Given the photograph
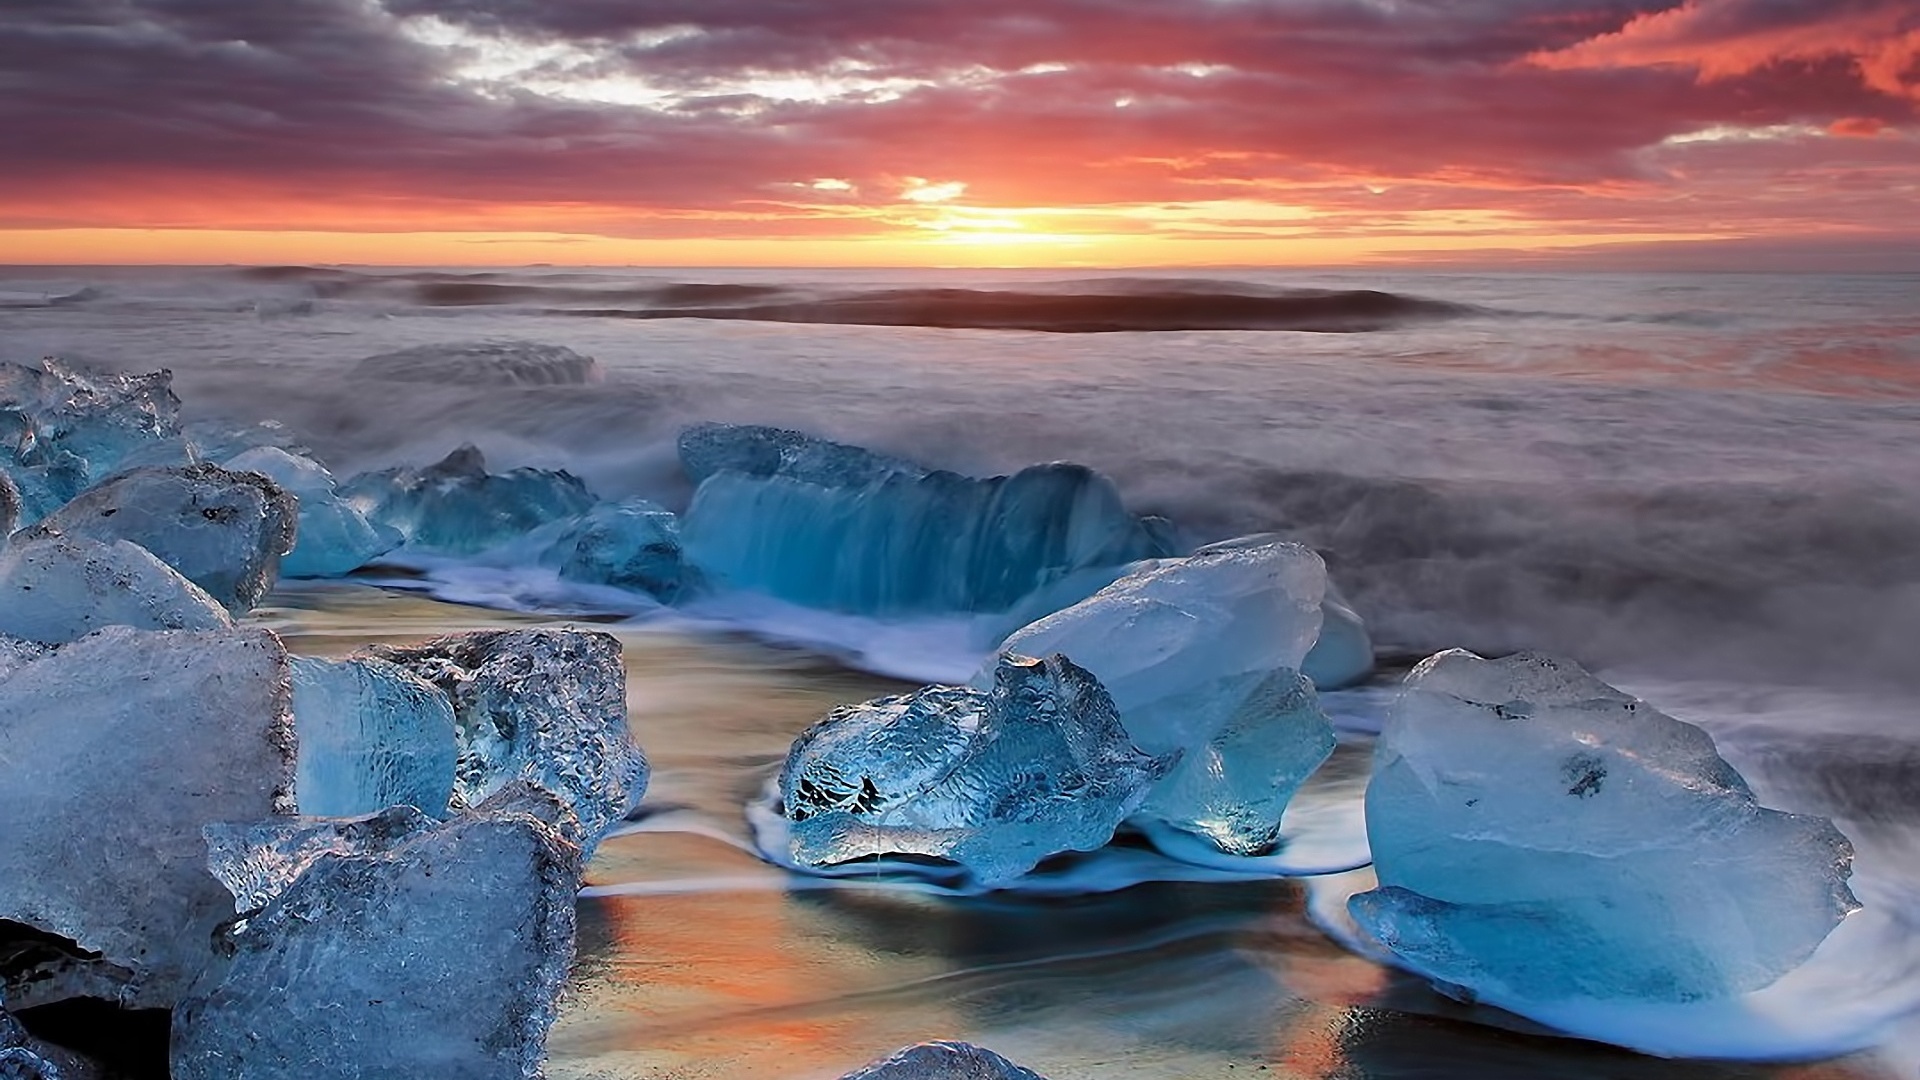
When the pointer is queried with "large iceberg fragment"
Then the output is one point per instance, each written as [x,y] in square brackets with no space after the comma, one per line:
[837,527]
[224,531]
[632,545]
[334,537]
[546,706]
[944,1061]
[440,957]
[994,780]
[56,589]
[120,749]
[457,507]
[372,735]
[1540,836]
[62,429]
[1201,655]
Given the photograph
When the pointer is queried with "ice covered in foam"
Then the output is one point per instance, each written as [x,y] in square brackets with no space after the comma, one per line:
[457,507]
[1539,836]
[995,780]
[633,544]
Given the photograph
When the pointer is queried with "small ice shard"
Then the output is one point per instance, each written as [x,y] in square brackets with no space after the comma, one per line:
[1539,835]
[120,749]
[1343,654]
[334,538]
[256,861]
[440,957]
[754,450]
[837,527]
[994,780]
[224,531]
[547,706]
[631,545]
[372,735]
[456,507]
[1201,655]
[64,429]
[56,589]
[944,1061]
[484,363]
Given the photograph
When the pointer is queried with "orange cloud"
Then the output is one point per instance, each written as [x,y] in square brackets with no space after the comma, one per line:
[1725,38]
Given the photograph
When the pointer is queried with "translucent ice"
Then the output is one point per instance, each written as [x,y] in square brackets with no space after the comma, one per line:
[632,545]
[62,429]
[753,450]
[224,531]
[547,706]
[438,957]
[1201,655]
[944,1061]
[256,861]
[905,542]
[56,589]
[456,507]
[120,749]
[334,538]
[21,1063]
[1343,654]
[1539,835]
[994,780]
[372,735]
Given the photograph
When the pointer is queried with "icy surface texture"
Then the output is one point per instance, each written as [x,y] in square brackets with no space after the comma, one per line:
[484,363]
[944,1061]
[546,706]
[753,450]
[120,749]
[836,530]
[224,531]
[1343,654]
[994,780]
[1201,655]
[62,429]
[632,545]
[456,507]
[1233,788]
[438,958]
[57,589]
[333,538]
[16,653]
[258,860]
[1539,835]
[372,735]
[9,504]
[20,1063]
[222,440]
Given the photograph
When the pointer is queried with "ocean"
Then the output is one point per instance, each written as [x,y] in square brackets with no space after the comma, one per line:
[1705,488]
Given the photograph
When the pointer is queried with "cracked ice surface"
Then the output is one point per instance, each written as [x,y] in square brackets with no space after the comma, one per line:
[121,748]
[548,706]
[994,780]
[372,735]
[57,589]
[224,531]
[1539,835]
[365,963]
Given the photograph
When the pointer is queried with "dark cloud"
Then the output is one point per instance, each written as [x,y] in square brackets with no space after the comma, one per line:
[311,108]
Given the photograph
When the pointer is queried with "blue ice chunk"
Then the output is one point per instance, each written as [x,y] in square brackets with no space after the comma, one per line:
[372,735]
[909,542]
[333,538]
[1201,655]
[754,450]
[944,1061]
[56,589]
[1540,836]
[62,429]
[224,531]
[545,706]
[222,440]
[633,544]
[1343,654]
[994,780]
[456,507]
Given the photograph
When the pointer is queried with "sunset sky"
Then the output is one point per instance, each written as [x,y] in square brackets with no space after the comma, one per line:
[1737,133]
